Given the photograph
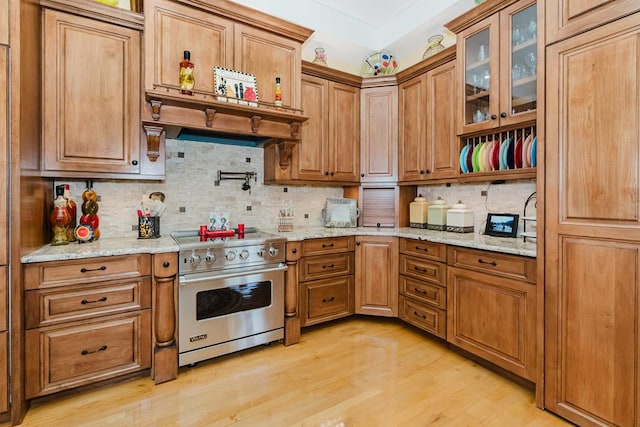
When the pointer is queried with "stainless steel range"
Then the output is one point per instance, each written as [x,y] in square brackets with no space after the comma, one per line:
[231,293]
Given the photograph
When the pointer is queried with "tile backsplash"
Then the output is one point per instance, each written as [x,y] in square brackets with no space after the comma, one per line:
[191,193]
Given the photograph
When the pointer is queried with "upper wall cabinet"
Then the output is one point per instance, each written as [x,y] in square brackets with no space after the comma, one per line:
[91,93]
[228,35]
[565,18]
[497,59]
[428,149]
[379,130]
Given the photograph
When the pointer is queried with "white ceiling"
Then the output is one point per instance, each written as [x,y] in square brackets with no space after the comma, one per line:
[349,30]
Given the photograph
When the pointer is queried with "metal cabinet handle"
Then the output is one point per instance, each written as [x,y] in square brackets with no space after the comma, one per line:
[85,352]
[415,313]
[328,299]
[85,301]
[330,245]
[328,266]
[166,264]
[420,291]
[481,261]
[86,270]
[423,270]
[418,248]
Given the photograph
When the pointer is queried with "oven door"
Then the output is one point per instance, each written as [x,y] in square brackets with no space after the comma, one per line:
[220,308]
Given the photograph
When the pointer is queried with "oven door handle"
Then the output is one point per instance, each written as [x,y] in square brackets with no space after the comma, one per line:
[184,280]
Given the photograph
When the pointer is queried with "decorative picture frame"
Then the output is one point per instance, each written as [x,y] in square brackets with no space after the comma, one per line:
[235,87]
[502,225]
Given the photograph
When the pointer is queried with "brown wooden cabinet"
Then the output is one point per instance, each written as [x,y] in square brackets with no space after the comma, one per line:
[497,71]
[566,18]
[427,146]
[376,289]
[91,97]
[87,320]
[4,210]
[592,368]
[489,312]
[423,281]
[326,280]
[379,130]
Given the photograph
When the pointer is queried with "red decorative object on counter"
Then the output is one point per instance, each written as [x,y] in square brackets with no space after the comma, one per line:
[90,210]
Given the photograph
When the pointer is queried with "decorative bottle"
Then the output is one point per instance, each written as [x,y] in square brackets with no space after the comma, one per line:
[278,97]
[72,207]
[187,81]
[59,219]
[90,210]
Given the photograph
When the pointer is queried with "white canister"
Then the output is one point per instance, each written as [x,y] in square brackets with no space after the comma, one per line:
[437,217]
[418,210]
[460,218]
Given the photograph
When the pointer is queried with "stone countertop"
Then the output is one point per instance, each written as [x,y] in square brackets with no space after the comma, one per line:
[124,246]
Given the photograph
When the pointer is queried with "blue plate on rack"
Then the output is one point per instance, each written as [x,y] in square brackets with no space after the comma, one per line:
[463,158]
[534,152]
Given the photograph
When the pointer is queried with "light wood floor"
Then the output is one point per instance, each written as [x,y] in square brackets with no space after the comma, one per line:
[356,372]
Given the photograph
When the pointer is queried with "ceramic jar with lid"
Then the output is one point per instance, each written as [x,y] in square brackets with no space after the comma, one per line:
[418,211]
[460,218]
[437,215]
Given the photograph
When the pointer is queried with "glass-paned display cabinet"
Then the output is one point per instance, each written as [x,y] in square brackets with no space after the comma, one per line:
[499,69]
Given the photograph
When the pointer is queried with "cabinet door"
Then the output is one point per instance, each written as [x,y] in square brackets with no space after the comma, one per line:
[310,158]
[344,132]
[4,301]
[91,95]
[268,56]
[592,258]
[379,133]
[518,63]
[377,276]
[565,18]
[441,153]
[326,300]
[4,141]
[494,318]
[4,372]
[412,133]
[172,28]
[478,55]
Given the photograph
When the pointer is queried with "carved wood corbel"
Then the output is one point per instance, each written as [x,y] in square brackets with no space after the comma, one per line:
[296,127]
[210,115]
[284,150]
[255,123]
[154,135]
[156,105]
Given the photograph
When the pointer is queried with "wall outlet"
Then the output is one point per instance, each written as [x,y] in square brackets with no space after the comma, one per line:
[182,209]
[483,193]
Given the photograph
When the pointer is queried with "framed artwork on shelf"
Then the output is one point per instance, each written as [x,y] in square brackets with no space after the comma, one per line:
[502,225]
[235,87]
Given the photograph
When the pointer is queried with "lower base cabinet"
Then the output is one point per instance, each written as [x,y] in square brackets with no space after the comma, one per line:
[491,315]
[376,287]
[326,299]
[79,353]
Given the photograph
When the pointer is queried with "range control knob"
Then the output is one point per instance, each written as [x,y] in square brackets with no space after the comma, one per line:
[260,252]
[273,251]
[210,257]
[194,259]
[244,254]
[231,255]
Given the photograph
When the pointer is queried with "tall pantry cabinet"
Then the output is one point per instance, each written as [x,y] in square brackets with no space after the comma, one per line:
[4,173]
[592,213]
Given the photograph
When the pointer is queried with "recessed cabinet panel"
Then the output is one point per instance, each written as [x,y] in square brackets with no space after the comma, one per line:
[379,133]
[344,132]
[91,95]
[442,153]
[4,141]
[175,28]
[593,318]
[412,133]
[4,25]
[4,302]
[598,144]
[311,156]
[377,276]
[4,371]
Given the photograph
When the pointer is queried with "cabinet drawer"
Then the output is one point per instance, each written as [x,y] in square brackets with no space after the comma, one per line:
[48,306]
[427,318]
[422,249]
[424,292]
[324,246]
[326,299]
[322,266]
[512,266]
[49,274]
[71,355]
[429,271]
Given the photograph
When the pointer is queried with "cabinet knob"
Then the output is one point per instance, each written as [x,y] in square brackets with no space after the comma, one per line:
[294,251]
[326,174]
[361,175]
[493,117]
[331,174]
[134,162]
[166,264]
[357,243]
[378,224]
[428,171]
[503,114]
[422,172]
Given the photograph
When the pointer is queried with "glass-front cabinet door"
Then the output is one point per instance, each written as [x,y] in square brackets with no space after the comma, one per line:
[519,58]
[480,52]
